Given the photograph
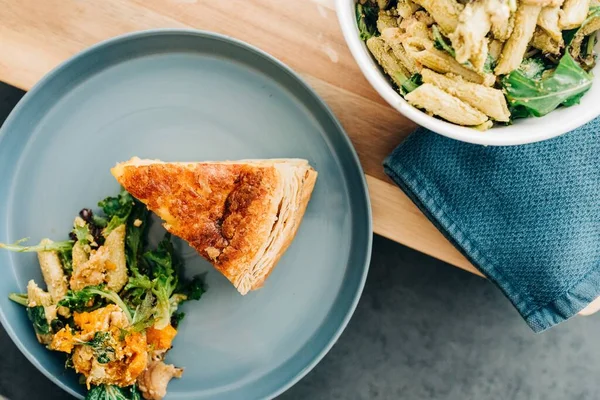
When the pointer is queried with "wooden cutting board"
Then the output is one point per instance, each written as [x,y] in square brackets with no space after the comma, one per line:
[37,35]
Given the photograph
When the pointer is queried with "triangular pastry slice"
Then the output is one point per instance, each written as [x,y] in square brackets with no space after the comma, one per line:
[239,215]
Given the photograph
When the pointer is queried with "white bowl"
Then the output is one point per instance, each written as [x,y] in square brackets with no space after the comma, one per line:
[523,131]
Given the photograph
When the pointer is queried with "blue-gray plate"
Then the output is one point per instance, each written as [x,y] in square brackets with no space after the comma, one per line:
[182,95]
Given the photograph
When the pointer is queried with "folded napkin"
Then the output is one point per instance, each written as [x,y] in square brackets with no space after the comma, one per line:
[528,217]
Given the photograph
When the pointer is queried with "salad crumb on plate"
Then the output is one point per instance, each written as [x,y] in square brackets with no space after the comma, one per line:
[482,63]
[111,303]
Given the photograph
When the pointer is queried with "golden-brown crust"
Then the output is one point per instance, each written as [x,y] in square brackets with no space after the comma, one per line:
[225,211]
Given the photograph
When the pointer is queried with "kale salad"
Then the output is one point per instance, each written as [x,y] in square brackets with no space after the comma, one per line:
[482,63]
[111,304]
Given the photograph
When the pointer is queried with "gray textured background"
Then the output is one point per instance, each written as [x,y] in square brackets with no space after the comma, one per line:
[422,330]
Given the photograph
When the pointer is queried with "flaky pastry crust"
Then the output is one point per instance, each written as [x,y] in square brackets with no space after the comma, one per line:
[239,215]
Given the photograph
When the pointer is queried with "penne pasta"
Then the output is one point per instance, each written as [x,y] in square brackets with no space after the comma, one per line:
[501,30]
[475,21]
[424,17]
[423,51]
[393,39]
[406,8]
[415,28]
[386,20]
[36,296]
[495,48]
[548,21]
[444,12]
[455,58]
[573,13]
[543,3]
[485,126]
[488,100]
[435,101]
[116,272]
[592,26]
[385,57]
[543,41]
[512,54]
[80,256]
[53,273]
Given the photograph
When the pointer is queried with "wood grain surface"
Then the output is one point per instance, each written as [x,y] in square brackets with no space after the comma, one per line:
[37,35]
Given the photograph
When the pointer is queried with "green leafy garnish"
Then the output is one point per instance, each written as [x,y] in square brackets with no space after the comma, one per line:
[66,245]
[19,298]
[439,41]
[85,300]
[117,210]
[144,313]
[192,289]
[407,84]
[101,344]
[533,67]
[539,96]
[37,316]
[66,259]
[109,392]
[81,300]
[119,206]
[163,263]
[137,229]
[158,294]
[366,17]
[83,234]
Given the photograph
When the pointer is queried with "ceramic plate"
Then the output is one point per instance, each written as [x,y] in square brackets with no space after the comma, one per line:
[190,96]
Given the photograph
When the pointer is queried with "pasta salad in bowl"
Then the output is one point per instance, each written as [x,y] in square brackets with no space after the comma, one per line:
[494,72]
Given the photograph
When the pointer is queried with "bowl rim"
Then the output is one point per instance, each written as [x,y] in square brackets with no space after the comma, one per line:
[372,72]
[361,182]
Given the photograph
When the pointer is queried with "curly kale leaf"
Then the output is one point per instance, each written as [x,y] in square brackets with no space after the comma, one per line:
[109,392]
[117,210]
[86,299]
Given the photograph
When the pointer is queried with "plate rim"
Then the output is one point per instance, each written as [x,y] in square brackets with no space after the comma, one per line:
[141,34]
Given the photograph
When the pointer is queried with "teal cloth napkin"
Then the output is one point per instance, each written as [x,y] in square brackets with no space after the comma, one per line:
[528,217]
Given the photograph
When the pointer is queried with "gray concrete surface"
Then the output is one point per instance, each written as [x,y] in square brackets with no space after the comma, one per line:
[422,330]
